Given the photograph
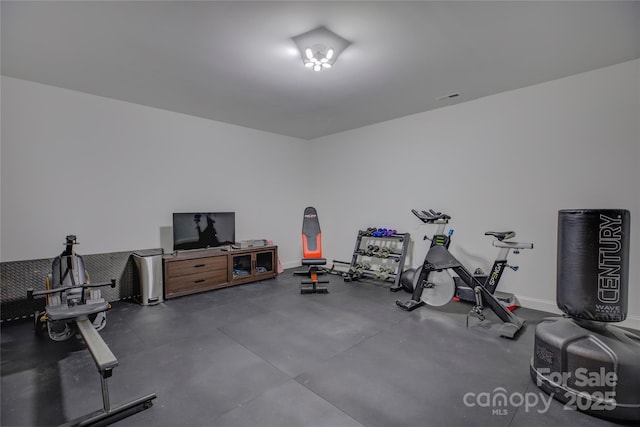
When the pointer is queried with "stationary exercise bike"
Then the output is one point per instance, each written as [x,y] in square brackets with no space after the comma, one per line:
[433,284]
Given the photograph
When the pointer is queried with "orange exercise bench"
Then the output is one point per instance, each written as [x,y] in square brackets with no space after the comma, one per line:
[312,254]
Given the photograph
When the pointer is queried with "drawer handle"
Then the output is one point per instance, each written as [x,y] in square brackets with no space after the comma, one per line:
[198,265]
[198,281]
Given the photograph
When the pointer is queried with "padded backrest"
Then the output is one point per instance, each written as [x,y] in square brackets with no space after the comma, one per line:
[68,270]
[311,235]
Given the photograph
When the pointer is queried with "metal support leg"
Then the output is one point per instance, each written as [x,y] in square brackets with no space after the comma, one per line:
[105,362]
[105,393]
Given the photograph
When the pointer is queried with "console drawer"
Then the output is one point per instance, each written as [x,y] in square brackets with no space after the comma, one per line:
[196,266]
[202,280]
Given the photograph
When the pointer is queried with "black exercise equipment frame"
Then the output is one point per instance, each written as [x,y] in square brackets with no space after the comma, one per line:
[397,258]
[103,357]
[439,258]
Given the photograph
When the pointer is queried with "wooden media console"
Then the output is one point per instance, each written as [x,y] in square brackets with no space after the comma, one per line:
[192,272]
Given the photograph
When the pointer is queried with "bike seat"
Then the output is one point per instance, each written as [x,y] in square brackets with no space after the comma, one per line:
[501,235]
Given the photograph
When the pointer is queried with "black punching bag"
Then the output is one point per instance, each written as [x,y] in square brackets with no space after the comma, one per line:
[593,263]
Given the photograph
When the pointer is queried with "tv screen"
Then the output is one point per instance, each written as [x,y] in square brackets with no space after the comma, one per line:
[201,230]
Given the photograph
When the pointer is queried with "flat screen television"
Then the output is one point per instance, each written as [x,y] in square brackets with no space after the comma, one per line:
[201,230]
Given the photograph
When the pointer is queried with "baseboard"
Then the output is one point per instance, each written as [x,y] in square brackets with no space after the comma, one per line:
[290,264]
[551,307]
[539,304]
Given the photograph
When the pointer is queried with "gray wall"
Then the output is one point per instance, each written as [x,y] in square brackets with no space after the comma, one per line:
[113,172]
[503,162]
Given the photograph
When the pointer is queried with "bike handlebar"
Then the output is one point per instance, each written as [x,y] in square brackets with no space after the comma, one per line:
[431,216]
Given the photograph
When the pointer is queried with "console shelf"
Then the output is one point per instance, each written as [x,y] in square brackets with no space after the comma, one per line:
[200,271]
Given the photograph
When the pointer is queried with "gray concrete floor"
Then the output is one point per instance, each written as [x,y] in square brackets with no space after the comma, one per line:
[263,355]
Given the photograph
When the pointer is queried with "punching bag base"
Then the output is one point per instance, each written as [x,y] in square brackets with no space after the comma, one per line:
[590,366]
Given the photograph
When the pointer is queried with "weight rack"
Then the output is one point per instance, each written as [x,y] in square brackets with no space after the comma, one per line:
[379,258]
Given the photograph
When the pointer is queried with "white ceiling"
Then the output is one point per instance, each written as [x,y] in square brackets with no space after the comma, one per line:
[235,61]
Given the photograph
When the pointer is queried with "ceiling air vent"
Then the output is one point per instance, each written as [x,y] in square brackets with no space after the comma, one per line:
[449,96]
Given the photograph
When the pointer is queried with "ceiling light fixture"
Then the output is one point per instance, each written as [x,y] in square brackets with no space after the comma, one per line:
[319,48]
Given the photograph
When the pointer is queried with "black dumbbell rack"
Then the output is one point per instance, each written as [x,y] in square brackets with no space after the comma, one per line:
[379,258]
